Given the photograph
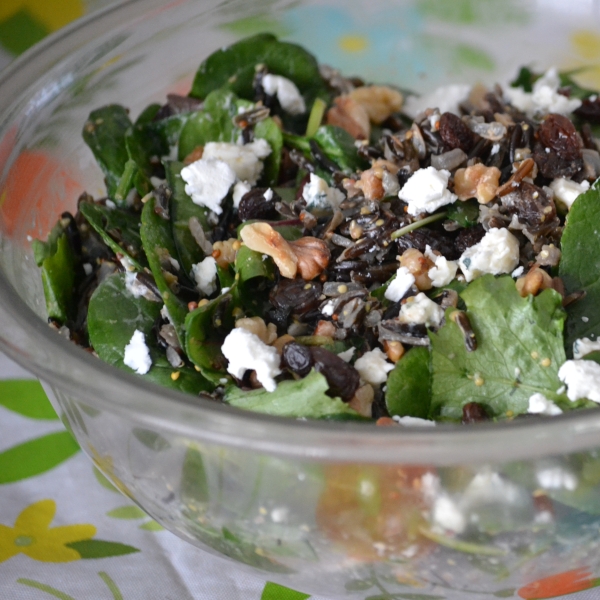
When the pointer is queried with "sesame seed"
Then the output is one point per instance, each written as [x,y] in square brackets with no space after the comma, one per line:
[175,375]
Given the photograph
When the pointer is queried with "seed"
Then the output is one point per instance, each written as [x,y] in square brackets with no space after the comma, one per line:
[379,222]
[236,245]
[365,210]
[203,302]
[546,362]
[479,380]
[535,355]
[175,375]
[342,289]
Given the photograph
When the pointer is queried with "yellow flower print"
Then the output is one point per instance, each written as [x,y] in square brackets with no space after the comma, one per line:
[52,15]
[587,49]
[105,464]
[33,536]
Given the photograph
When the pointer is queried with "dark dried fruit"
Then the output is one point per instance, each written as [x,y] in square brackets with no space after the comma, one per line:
[296,295]
[558,133]
[342,378]
[474,412]
[589,110]
[468,237]
[421,238]
[534,208]
[297,358]
[254,205]
[455,133]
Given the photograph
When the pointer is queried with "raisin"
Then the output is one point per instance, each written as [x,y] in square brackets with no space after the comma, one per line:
[534,208]
[297,358]
[474,412]
[558,133]
[296,295]
[254,205]
[468,237]
[342,378]
[589,110]
[421,238]
[455,133]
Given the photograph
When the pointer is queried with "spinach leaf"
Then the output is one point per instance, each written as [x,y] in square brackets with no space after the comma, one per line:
[145,142]
[158,243]
[338,145]
[580,267]
[464,213]
[58,280]
[303,398]
[182,210]
[104,132]
[250,264]
[519,351]
[409,385]
[234,68]
[525,79]
[253,274]
[123,225]
[42,250]
[269,131]
[113,316]
[206,328]
[214,123]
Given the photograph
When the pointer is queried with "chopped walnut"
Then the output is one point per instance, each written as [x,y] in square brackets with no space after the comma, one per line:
[194,155]
[255,325]
[536,281]
[549,256]
[224,252]
[379,101]
[371,184]
[312,255]
[263,238]
[351,116]
[381,164]
[325,328]
[477,181]
[419,265]
[362,401]
[393,349]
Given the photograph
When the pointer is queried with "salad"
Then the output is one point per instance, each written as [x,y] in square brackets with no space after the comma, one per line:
[291,241]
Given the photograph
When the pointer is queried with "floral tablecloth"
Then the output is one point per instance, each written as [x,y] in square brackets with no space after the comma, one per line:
[65,531]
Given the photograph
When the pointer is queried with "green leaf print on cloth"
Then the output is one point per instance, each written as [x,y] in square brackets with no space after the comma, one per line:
[274,591]
[38,585]
[26,397]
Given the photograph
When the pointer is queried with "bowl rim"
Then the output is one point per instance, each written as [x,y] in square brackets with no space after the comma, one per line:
[30,342]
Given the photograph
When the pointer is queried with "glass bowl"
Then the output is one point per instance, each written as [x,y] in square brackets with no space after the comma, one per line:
[330,508]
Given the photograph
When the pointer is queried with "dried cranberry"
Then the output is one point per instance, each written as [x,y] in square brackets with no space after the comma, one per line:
[558,133]
[455,133]
[342,378]
[297,358]
[254,205]
[474,412]
[296,295]
[468,237]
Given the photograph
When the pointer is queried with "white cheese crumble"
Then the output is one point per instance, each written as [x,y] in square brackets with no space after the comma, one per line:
[582,378]
[556,478]
[137,353]
[268,195]
[496,253]
[413,421]
[446,98]
[135,287]
[347,355]
[444,270]
[518,272]
[427,190]
[207,182]
[400,285]
[373,367]
[447,515]
[205,275]
[584,346]
[540,405]
[319,196]
[244,160]
[328,309]
[566,191]
[240,189]
[420,310]
[287,93]
[544,97]
[245,351]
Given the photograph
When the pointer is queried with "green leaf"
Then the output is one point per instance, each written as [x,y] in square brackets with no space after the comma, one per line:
[104,133]
[182,209]
[36,456]
[126,512]
[26,397]
[464,213]
[124,225]
[274,591]
[144,141]
[114,315]
[151,526]
[303,398]
[409,385]
[250,264]
[58,281]
[524,79]
[461,545]
[338,145]
[580,267]
[43,250]
[111,585]
[152,440]
[104,482]
[100,548]
[269,131]
[359,585]
[519,351]
[194,483]
[44,588]
[507,593]
[158,242]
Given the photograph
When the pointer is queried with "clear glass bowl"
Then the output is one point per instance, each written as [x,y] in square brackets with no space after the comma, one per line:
[329,508]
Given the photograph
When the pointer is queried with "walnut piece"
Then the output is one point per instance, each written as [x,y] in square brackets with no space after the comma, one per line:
[371,184]
[312,256]
[477,181]
[256,325]
[419,265]
[536,281]
[351,116]
[362,401]
[379,101]
[224,252]
[261,237]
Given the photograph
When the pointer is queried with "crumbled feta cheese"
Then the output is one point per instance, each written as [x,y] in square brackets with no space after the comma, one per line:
[136,288]
[268,195]
[126,262]
[240,189]
[400,285]
[287,93]
[540,405]
[319,196]
[420,310]
[245,351]
[427,190]
[518,272]
[444,270]
[87,268]
[205,275]
[373,367]
[544,97]
[447,515]
[566,191]
[446,98]
[347,355]
[496,253]
[556,478]
[137,353]
[110,204]
[582,378]
[413,421]
[244,160]
[328,309]
[495,149]
[585,346]
[207,182]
